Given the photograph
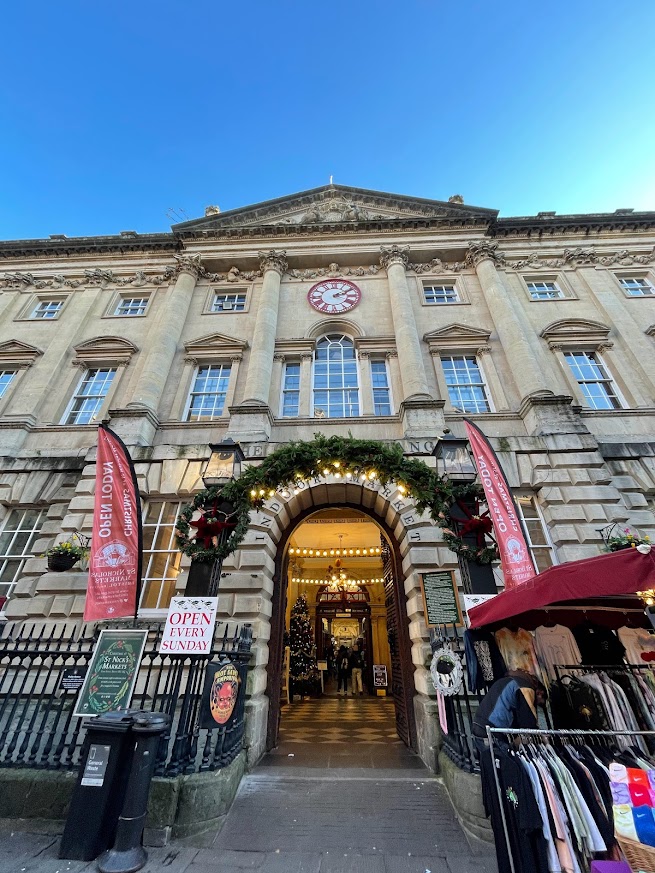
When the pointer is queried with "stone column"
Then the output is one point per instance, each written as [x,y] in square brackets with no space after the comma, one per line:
[163,340]
[235,361]
[408,344]
[260,365]
[275,389]
[304,406]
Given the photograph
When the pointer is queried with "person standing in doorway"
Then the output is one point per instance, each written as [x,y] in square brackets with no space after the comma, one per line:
[356,663]
[342,670]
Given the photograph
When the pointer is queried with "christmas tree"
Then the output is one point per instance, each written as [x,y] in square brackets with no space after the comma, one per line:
[302,666]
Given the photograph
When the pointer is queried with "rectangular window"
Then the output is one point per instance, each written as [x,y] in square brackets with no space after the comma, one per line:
[6,377]
[594,380]
[228,302]
[131,306]
[291,390]
[381,391]
[45,309]
[466,387]
[539,540]
[161,558]
[209,391]
[89,397]
[544,290]
[435,294]
[21,528]
[637,287]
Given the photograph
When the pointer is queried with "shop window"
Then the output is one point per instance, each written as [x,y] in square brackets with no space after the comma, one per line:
[161,557]
[21,528]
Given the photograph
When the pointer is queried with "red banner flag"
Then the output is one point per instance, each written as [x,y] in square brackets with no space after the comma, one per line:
[116,545]
[515,556]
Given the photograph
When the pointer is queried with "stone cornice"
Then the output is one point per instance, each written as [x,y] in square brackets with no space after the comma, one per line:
[88,245]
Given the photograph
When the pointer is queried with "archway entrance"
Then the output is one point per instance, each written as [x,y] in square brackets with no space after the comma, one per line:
[344,563]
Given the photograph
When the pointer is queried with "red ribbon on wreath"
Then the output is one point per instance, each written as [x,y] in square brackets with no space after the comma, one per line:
[207,530]
[476,523]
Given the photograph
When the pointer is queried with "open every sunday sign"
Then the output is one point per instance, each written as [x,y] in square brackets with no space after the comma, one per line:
[189,626]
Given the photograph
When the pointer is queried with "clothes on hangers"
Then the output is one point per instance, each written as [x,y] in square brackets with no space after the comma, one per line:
[555,645]
[484,663]
[598,644]
[517,649]
[638,642]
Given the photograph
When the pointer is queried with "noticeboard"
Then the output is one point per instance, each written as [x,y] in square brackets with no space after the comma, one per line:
[112,672]
[440,600]
[380,676]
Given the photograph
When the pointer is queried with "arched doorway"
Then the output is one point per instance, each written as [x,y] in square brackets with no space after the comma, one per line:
[386,641]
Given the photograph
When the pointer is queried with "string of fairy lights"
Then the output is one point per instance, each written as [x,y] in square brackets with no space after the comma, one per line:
[338,470]
[335,553]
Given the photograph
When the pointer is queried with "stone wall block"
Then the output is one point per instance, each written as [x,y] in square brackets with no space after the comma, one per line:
[568,512]
[73,521]
[225,606]
[86,486]
[415,606]
[588,533]
[18,487]
[192,481]
[172,474]
[251,605]
[259,653]
[153,479]
[267,523]
[72,581]
[62,606]
[247,582]
[552,496]
[561,533]
[257,560]
[78,606]
[591,494]
[635,500]
[418,630]
[25,586]
[39,606]
[35,566]
[577,552]
[576,459]
[595,512]
[57,510]
[580,476]
[601,477]
[82,502]
[257,681]
[525,471]
[642,518]
[423,682]
[540,478]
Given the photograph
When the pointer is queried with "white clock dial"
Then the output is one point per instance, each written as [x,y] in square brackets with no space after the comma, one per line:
[333,296]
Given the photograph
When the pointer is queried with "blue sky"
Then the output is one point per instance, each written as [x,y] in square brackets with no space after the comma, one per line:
[114,112]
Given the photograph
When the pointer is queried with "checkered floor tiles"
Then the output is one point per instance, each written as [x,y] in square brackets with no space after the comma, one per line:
[349,720]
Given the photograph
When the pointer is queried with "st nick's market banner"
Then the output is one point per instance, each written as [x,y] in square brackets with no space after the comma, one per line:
[116,545]
[515,557]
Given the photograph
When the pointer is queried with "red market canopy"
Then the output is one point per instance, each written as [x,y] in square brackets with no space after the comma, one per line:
[618,573]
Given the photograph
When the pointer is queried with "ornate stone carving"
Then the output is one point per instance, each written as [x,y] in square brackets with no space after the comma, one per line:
[394,255]
[484,350]
[333,270]
[392,353]
[273,261]
[456,198]
[189,264]
[278,356]
[481,250]
[582,257]
[93,277]
[234,274]
[604,347]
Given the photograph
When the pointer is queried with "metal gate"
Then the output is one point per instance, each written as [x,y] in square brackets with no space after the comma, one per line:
[396,639]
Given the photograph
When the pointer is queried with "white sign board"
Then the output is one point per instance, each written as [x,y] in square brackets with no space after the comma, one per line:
[189,626]
[471,600]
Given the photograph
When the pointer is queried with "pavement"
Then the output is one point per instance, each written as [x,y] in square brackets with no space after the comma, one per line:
[350,800]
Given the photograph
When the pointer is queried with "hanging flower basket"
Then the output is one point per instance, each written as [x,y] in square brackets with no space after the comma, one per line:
[60,563]
[66,554]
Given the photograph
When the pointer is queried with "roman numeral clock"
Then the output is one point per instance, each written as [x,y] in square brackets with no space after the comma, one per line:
[334,296]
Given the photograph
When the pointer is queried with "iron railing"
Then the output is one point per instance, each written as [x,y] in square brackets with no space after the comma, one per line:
[37,725]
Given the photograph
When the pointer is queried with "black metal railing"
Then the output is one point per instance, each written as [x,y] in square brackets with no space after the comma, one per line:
[37,725]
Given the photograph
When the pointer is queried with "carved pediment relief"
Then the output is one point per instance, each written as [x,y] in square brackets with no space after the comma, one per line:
[576,330]
[17,354]
[457,336]
[335,204]
[104,350]
[215,346]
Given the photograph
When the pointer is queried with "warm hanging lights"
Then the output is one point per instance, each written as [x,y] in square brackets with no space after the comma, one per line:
[335,553]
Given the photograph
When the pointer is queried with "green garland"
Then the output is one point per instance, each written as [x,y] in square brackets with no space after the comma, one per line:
[290,467]
[455,543]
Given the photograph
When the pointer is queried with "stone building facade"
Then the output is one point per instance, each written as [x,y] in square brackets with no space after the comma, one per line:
[541,329]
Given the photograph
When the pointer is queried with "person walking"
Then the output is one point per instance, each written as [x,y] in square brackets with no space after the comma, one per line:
[342,670]
[356,664]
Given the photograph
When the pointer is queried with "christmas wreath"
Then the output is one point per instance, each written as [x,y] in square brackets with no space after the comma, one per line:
[468,498]
[217,517]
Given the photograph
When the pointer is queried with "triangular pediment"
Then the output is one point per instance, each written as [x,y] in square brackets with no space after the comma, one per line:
[455,332]
[17,353]
[335,204]
[214,346]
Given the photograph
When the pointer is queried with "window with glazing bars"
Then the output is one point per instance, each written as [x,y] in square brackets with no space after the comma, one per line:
[637,287]
[381,390]
[209,391]
[435,294]
[544,290]
[290,390]
[594,380]
[539,541]
[228,302]
[466,386]
[161,557]
[336,386]
[6,377]
[89,397]
[21,528]
[47,309]
[131,306]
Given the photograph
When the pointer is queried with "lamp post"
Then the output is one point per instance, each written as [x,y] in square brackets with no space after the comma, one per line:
[455,462]
[223,466]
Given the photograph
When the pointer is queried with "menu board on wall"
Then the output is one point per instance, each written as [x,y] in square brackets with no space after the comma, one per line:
[440,600]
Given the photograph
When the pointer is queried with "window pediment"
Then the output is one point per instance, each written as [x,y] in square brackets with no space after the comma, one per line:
[456,336]
[578,332]
[15,353]
[375,345]
[334,325]
[215,347]
[294,349]
[104,351]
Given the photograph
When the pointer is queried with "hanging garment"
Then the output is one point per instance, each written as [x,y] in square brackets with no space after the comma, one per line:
[637,641]
[554,864]
[555,645]
[523,819]
[581,706]
[598,644]
[517,649]
[484,663]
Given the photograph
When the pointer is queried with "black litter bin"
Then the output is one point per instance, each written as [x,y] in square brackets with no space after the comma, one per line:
[100,790]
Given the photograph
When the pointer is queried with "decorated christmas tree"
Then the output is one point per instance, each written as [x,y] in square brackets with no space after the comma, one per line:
[302,666]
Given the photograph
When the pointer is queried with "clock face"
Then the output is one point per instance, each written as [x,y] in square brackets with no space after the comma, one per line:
[333,296]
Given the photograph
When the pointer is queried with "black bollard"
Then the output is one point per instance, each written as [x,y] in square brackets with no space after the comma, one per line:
[128,855]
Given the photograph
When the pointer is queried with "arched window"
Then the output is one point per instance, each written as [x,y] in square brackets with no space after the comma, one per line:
[336,388]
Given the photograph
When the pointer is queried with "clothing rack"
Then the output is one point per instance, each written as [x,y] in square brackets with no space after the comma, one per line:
[536,733]
[600,668]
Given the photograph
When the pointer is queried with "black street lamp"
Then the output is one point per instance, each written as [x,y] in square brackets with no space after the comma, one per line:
[454,458]
[222,467]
